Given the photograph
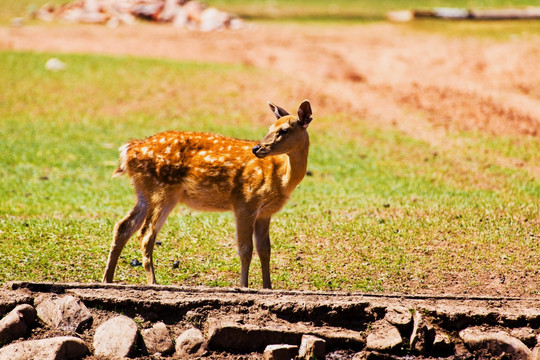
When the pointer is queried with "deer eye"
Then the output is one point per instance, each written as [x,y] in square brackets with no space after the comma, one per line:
[282,132]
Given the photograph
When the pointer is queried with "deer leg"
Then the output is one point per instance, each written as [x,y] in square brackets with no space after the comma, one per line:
[262,243]
[244,240]
[122,232]
[155,219]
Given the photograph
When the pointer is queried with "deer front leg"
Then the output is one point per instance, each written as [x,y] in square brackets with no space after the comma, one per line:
[244,241]
[262,243]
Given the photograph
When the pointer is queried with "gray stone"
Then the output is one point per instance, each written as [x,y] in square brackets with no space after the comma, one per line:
[116,337]
[526,335]
[373,355]
[443,346]
[17,323]
[384,337]
[158,340]
[494,342]
[65,313]
[422,336]
[280,352]
[312,347]
[191,343]
[245,338]
[535,355]
[57,348]
[401,318]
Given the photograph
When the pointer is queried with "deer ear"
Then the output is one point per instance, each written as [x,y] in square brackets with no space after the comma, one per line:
[304,113]
[278,111]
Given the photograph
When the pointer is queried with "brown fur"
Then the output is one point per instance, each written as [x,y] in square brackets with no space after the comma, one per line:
[215,173]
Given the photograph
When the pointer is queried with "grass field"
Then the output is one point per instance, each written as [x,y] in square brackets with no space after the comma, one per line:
[382,212]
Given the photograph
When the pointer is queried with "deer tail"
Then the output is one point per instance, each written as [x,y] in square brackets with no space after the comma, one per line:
[122,167]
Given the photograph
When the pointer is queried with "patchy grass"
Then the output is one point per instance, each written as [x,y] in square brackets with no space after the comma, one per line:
[382,212]
[343,9]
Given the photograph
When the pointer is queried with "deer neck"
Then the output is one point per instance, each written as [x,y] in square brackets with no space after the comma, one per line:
[295,167]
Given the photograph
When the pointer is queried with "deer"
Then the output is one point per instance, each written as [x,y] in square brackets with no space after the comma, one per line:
[212,172]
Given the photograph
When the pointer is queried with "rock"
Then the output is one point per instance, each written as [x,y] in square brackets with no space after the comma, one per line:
[400,16]
[158,340]
[190,344]
[116,337]
[422,336]
[280,352]
[17,323]
[373,355]
[57,348]
[54,64]
[247,338]
[66,313]
[312,347]
[213,19]
[442,345]
[536,353]
[401,318]
[526,335]
[385,337]
[494,342]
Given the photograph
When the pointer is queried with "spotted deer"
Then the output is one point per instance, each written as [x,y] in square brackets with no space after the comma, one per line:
[215,173]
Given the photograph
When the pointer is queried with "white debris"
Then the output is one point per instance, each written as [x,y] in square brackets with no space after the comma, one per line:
[400,15]
[54,64]
[180,13]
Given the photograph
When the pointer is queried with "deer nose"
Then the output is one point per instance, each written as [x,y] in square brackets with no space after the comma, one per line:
[255,149]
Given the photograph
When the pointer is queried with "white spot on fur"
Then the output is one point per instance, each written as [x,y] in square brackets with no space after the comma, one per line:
[167,149]
[162,140]
[209,159]
[144,150]
[202,153]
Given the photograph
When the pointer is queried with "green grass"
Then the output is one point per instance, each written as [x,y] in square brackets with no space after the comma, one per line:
[339,9]
[382,211]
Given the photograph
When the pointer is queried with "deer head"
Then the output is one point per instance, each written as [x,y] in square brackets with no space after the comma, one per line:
[288,134]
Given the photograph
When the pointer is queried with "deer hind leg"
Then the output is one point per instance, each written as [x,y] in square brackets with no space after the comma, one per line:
[155,219]
[122,232]
[262,243]
[244,240]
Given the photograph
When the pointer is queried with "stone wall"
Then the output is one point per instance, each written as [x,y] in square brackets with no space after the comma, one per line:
[96,321]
